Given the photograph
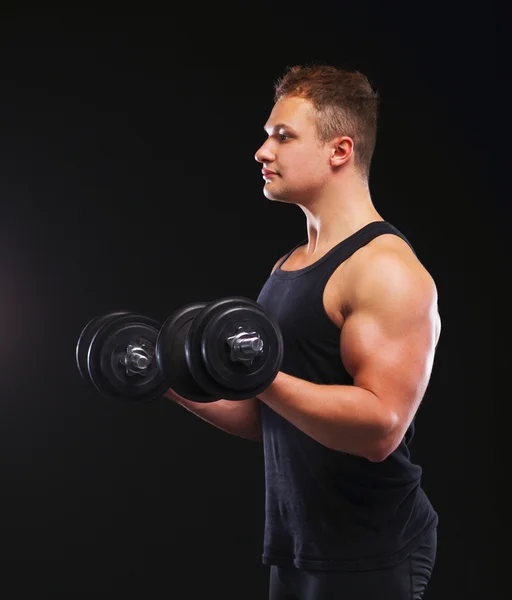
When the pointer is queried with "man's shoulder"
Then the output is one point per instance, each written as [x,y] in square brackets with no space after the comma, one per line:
[388,250]
[387,262]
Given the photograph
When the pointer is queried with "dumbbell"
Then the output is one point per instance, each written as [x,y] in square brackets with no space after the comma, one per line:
[116,353]
[229,348]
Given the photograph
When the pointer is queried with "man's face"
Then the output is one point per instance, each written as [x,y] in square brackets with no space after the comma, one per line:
[295,163]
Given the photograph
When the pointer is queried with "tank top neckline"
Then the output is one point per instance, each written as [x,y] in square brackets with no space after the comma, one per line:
[345,242]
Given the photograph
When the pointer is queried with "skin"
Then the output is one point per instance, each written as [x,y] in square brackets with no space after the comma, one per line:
[382,298]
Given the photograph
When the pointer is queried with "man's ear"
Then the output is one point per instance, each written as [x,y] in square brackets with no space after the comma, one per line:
[341,150]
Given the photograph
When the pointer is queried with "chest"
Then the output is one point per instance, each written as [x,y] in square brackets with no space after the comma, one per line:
[305,309]
[333,297]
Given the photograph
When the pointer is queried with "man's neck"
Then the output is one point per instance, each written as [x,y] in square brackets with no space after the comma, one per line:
[337,215]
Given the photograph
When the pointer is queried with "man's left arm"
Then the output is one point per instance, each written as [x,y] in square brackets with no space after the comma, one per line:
[387,345]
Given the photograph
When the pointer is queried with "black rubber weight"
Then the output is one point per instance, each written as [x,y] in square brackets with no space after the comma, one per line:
[85,339]
[246,379]
[233,386]
[109,345]
[170,354]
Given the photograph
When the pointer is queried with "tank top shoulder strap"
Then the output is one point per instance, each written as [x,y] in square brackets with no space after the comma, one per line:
[373,230]
[360,238]
[357,240]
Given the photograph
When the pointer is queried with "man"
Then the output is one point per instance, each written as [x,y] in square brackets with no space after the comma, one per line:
[346,516]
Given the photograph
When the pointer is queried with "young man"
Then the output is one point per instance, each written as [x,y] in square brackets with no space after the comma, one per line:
[346,516]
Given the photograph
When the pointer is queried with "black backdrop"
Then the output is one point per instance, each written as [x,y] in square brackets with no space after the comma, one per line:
[127,180]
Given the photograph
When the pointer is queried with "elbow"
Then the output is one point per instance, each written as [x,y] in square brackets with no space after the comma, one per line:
[387,441]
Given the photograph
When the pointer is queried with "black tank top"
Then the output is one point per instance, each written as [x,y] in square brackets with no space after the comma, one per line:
[325,509]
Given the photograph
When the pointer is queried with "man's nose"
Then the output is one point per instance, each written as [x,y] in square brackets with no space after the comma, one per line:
[264,154]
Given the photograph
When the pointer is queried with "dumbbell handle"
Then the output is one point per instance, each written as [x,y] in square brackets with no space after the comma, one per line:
[245,347]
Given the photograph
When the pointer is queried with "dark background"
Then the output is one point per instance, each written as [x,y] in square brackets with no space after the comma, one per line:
[127,180]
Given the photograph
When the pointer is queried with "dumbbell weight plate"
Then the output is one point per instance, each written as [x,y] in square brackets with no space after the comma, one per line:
[85,339]
[244,379]
[108,347]
[170,354]
[208,353]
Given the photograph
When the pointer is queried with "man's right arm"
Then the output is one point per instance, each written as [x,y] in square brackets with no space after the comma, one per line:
[237,417]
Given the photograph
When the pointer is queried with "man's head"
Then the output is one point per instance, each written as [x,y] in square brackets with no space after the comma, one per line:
[323,119]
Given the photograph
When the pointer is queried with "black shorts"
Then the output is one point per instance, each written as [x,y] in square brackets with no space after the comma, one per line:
[405,581]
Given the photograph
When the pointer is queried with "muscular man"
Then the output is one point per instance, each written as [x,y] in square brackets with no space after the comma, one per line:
[346,515]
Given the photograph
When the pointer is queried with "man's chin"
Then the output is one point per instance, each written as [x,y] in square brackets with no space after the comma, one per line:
[273,195]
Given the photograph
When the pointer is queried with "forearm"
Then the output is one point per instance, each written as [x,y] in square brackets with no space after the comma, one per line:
[344,418]
[240,418]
